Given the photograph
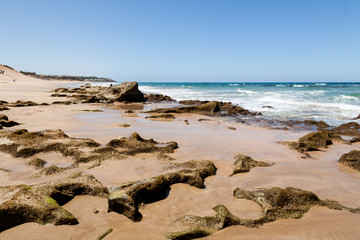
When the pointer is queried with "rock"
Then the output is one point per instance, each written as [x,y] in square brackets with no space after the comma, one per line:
[3,108]
[21,103]
[351,159]
[4,122]
[204,119]
[315,141]
[245,163]
[358,117]
[161,116]
[232,128]
[127,91]
[41,203]
[203,226]
[135,144]
[64,102]
[186,122]
[267,107]
[276,203]
[37,163]
[213,108]
[126,198]
[158,98]
[348,129]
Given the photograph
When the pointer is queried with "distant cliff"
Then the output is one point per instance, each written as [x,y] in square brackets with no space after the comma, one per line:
[67,78]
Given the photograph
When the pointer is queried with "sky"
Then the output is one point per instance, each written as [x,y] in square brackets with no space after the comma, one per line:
[184,40]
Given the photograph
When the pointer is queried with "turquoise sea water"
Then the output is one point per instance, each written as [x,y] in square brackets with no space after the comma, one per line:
[334,103]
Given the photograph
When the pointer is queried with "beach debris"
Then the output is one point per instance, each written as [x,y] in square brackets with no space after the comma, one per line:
[351,159]
[186,122]
[348,129]
[245,163]
[358,117]
[42,203]
[126,198]
[161,116]
[276,203]
[129,111]
[124,125]
[102,236]
[231,128]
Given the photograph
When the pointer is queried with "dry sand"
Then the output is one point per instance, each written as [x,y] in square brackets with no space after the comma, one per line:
[210,140]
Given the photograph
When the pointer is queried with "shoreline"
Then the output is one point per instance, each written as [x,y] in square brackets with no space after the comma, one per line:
[200,140]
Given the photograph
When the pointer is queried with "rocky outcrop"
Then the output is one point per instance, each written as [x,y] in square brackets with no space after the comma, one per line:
[126,198]
[42,203]
[245,163]
[213,108]
[351,159]
[348,129]
[125,92]
[276,203]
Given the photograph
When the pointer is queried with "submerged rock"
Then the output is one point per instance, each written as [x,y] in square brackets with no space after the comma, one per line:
[351,159]
[42,203]
[245,163]
[126,198]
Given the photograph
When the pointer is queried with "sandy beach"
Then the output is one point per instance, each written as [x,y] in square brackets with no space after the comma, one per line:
[210,140]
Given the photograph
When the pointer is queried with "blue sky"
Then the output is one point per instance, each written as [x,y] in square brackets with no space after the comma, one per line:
[183,40]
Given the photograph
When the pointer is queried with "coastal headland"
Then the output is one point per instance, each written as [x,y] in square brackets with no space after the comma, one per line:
[95,162]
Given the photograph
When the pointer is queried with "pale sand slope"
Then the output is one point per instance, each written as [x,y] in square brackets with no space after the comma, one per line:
[197,141]
[24,87]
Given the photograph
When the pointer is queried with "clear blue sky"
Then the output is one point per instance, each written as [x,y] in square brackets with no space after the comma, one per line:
[184,40]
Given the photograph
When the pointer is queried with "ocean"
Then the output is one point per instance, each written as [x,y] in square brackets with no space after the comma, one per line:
[334,103]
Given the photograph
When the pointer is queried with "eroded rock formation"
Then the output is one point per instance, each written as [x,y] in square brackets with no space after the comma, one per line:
[126,198]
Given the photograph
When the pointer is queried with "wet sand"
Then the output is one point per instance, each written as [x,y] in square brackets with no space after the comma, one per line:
[206,140]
